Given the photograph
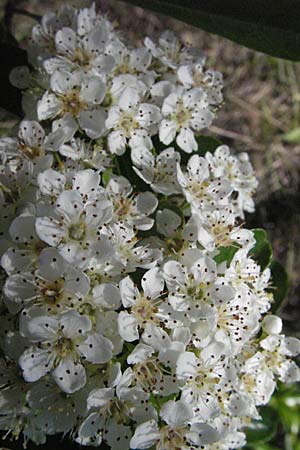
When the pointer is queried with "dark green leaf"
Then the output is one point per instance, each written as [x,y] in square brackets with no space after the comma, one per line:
[262,251]
[263,430]
[269,26]
[207,144]
[280,284]
[226,254]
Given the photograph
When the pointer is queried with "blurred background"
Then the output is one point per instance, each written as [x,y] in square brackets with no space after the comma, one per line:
[261,116]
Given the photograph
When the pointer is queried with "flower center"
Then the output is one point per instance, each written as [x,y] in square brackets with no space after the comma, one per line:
[52,292]
[172,438]
[31,152]
[199,189]
[82,58]
[72,102]
[77,231]
[183,115]
[63,347]
[144,310]
[128,123]
[122,207]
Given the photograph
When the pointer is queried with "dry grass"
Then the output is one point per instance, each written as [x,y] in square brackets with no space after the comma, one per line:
[262,105]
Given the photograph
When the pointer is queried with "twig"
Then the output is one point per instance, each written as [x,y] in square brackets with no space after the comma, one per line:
[23,12]
[237,136]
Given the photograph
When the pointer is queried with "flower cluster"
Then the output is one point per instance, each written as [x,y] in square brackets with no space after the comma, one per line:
[122,321]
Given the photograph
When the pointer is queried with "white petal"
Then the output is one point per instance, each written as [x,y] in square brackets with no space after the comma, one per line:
[116,142]
[145,435]
[93,122]
[86,180]
[118,436]
[100,397]
[186,365]
[202,434]
[70,205]
[63,130]
[93,91]
[167,222]
[129,292]
[88,433]
[104,64]
[140,353]
[63,81]
[20,288]
[153,283]
[35,363]
[49,231]
[51,182]
[186,140]
[70,377]
[128,326]
[176,414]
[107,296]
[167,131]
[51,265]
[37,327]
[74,324]
[31,133]
[22,229]
[146,203]
[129,99]
[65,41]
[96,349]
[49,106]
[272,324]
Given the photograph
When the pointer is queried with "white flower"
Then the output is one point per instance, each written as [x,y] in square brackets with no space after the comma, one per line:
[184,112]
[129,254]
[131,208]
[200,188]
[64,342]
[130,120]
[23,254]
[240,173]
[176,432]
[55,412]
[73,224]
[203,379]
[170,51]
[194,75]
[159,171]
[77,53]
[78,96]
[55,286]
[141,308]
[194,289]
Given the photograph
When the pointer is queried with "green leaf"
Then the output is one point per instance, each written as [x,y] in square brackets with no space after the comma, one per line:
[269,26]
[262,251]
[226,254]
[106,176]
[262,431]
[280,284]
[293,136]
[207,144]
[158,401]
